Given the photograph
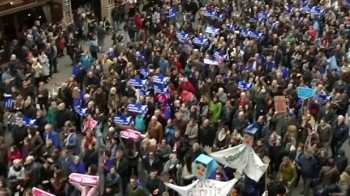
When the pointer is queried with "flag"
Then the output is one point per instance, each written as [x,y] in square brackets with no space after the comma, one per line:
[158,79]
[317,11]
[332,61]
[182,37]
[138,82]
[123,120]
[245,86]
[171,13]
[210,62]
[167,112]
[219,56]
[323,98]
[138,108]
[9,101]
[200,41]
[77,102]
[160,89]
[285,73]
[29,122]
[212,30]
[208,13]
[81,111]
[144,93]
[144,72]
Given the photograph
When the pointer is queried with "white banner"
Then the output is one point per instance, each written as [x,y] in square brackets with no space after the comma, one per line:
[204,188]
[242,158]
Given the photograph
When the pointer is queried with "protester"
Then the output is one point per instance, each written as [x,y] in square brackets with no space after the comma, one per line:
[182,76]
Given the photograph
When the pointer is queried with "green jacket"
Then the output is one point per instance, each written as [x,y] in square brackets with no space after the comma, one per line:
[51,116]
[137,192]
[215,109]
[288,173]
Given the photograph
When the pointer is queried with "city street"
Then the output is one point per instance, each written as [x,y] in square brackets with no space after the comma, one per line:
[65,72]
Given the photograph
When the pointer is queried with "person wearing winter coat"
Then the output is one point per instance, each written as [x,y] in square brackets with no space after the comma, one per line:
[44,62]
[192,132]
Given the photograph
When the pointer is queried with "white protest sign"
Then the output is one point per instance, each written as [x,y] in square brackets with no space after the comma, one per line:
[242,158]
[204,188]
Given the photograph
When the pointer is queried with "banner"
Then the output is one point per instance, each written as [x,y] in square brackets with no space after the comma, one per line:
[171,13]
[39,192]
[138,82]
[9,101]
[204,188]
[182,37]
[144,72]
[81,111]
[123,120]
[132,134]
[157,79]
[84,180]
[138,108]
[242,158]
[200,41]
[244,86]
[29,122]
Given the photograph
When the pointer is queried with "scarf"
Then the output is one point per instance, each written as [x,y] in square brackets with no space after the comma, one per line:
[221,136]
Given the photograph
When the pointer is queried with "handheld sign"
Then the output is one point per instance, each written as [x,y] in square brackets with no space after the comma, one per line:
[132,134]
[306,93]
[39,192]
[84,180]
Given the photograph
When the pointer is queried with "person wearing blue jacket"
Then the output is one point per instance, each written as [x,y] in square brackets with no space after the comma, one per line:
[86,61]
[76,166]
[140,124]
[170,130]
[307,166]
[52,135]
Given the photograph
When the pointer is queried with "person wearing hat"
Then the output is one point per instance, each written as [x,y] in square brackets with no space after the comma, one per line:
[288,173]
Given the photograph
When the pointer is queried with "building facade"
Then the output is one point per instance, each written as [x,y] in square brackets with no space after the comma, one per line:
[106,9]
[17,15]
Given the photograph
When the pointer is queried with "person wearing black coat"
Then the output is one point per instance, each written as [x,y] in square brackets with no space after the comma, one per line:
[90,156]
[19,132]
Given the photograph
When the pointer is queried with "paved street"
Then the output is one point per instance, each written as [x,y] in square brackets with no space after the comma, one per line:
[65,72]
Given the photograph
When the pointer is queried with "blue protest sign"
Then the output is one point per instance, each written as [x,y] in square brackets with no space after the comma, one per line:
[305,93]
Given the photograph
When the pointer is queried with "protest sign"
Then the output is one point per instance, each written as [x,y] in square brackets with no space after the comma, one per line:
[132,134]
[242,158]
[305,93]
[280,104]
[84,180]
[39,192]
[204,188]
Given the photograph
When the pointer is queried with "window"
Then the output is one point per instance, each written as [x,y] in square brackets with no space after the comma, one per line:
[67,8]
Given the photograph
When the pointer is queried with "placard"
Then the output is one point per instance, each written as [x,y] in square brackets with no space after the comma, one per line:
[204,188]
[39,192]
[280,104]
[84,180]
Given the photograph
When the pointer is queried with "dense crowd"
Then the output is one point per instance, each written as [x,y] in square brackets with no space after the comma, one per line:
[185,75]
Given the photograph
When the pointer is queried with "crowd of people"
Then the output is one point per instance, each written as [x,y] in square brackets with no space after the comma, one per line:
[183,76]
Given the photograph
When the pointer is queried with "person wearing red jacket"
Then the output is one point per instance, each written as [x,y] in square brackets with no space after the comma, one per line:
[14,154]
[185,84]
[138,21]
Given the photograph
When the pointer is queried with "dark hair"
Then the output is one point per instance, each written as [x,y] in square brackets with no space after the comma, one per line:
[133,177]
[108,153]
[93,169]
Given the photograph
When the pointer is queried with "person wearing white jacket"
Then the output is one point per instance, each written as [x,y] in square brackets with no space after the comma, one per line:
[44,62]
[15,175]
[36,71]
